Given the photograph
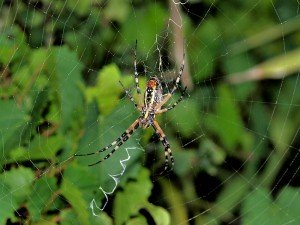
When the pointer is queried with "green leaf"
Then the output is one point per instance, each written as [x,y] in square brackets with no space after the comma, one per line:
[64,70]
[75,198]
[107,89]
[139,220]
[40,148]
[178,116]
[8,203]
[259,208]
[82,7]
[211,156]
[227,122]
[19,181]
[230,197]
[12,45]
[150,22]
[134,197]
[68,217]
[99,132]
[159,214]
[85,178]
[236,63]
[12,120]
[271,33]
[40,197]
[277,67]
[117,10]
[204,49]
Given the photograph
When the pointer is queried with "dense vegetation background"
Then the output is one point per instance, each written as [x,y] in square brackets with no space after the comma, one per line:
[235,137]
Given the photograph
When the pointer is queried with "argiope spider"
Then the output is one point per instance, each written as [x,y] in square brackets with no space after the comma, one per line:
[154,99]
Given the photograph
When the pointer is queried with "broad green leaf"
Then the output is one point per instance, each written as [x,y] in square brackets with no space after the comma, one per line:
[8,203]
[230,197]
[205,47]
[82,7]
[64,70]
[149,22]
[187,156]
[68,217]
[75,198]
[107,89]
[85,178]
[159,214]
[289,202]
[236,63]
[173,196]
[12,45]
[19,181]
[47,221]
[99,132]
[12,121]
[117,10]
[40,148]
[40,198]
[189,108]
[258,207]
[139,220]
[134,197]
[227,122]
[90,141]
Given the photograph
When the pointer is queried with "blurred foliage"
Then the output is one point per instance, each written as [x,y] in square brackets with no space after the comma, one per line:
[234,137]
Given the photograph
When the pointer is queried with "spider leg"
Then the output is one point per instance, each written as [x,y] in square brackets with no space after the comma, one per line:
[176,82]
[136,79]
[179,76]
[130,96]
[125,135]
[164,141]
[122,139]
[174,104]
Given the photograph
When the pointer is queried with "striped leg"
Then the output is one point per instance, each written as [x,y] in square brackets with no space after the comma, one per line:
[130,96]
[176,82]
[164,141]
[136,79]
[174,104]
[179,76]
[118,142]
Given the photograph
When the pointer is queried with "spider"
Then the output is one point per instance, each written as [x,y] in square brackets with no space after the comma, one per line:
[154,100]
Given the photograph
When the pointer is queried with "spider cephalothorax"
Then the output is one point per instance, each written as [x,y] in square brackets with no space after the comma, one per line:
[154,100]
[152,97]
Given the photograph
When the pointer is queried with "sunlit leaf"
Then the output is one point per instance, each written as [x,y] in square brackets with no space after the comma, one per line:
[159,214]
[107,90]
[139,220]
[133,198]
[274,68]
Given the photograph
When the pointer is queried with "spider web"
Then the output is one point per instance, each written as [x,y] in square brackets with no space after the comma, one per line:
[235,137]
